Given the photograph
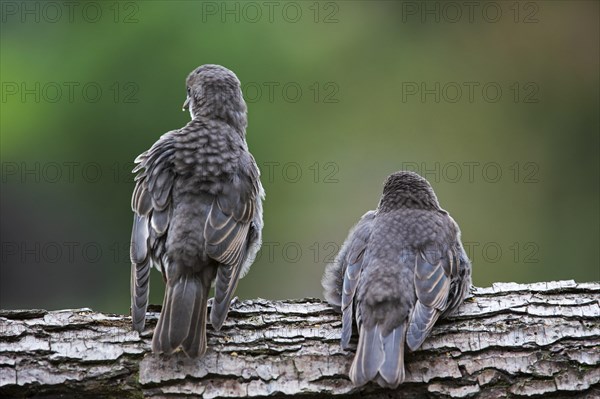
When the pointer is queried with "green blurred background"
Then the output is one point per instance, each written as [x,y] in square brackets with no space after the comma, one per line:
[340,94]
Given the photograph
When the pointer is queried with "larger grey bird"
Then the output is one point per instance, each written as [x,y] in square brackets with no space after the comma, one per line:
[401,268]
[197,208]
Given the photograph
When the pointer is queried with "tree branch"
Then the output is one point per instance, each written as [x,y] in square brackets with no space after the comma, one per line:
[509,340]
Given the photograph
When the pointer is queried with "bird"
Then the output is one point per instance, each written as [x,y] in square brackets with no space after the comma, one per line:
[402,267]
[197,205]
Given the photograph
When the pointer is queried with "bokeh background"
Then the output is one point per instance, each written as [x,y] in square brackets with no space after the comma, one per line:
[496,103]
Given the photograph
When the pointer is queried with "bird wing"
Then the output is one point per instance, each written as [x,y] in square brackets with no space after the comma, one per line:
[151,204]
[460,283]
[232,232]
[435,268]
[350,260]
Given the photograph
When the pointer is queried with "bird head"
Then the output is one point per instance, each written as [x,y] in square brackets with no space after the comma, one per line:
[214,91]
[407,189]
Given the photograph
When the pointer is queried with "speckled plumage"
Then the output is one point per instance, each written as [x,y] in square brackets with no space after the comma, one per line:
[401,268]
[197,208]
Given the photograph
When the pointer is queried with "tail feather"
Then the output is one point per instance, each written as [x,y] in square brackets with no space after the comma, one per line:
[373,355]
[392,369]
[195,343]
[184,293]
[225,285]
[182,320]
[161,342]
[140,287]
[379,358]
[369,355]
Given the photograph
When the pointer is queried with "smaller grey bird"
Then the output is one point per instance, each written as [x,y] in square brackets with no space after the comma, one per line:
[197,207]
[401,268]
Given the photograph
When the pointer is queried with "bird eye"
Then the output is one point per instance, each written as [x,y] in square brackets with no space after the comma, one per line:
[189,91]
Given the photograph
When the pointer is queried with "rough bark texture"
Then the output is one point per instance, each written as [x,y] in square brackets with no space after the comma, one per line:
[509,340]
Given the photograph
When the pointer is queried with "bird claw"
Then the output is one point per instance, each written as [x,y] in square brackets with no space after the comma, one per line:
[233,301]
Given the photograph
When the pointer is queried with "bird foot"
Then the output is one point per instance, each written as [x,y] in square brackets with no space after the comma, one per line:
[233,301]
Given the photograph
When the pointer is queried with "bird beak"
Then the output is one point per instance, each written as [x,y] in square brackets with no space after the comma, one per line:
[186,104]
